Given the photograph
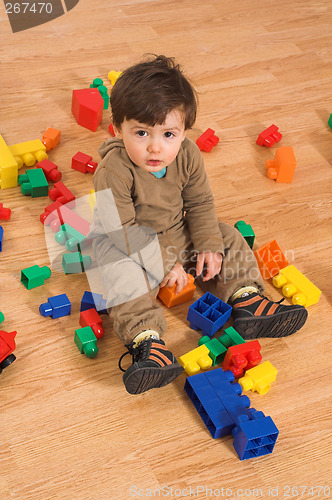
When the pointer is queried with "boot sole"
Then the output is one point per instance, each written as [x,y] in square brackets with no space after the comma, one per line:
[143,379]
[269,326]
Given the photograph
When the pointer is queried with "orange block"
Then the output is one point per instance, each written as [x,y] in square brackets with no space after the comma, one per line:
[270,259]
[283,166]
[167,294]
[51,138]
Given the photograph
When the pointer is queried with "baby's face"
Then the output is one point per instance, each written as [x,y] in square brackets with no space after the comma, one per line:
[153,148]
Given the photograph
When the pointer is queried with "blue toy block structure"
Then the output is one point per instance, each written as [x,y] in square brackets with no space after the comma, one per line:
[208,314]
[56,306]
[223,409]
[93,300]
[1,237]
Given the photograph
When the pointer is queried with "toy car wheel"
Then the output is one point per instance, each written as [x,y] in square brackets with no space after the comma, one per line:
[7,361]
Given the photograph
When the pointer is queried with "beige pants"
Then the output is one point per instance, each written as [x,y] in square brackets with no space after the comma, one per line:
[239,268]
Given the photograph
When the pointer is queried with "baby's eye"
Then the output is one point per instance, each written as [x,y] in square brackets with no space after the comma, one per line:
[141,133]
[168,135]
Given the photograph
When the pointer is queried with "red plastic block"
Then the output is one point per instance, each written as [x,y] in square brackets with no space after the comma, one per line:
[7,346]
[87,108]
[283,166]
[51,138]
[5,213]
[91,318]
[269,136]
[50,170]
[83,163]
[242,357]
[56,215]
[270,259]
[61,193]
[207,140]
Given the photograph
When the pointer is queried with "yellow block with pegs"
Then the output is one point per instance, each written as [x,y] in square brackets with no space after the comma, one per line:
[296,286]
[259,378]
[8,167]
[28,152]
[196,360]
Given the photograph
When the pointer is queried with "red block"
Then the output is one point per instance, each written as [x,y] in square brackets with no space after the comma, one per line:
[50,170]
[61,193]
[269,136]
[91,318]
[51,214]
[7,344]
[83,163]
[242,357]
[5,213]
[207,140]
[87,108]
[57,214]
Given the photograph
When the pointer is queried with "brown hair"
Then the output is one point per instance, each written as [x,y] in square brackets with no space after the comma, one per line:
[149,90]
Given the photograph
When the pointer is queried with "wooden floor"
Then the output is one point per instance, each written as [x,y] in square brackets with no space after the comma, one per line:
[69,430]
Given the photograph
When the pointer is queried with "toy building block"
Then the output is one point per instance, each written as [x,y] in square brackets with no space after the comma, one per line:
[2,317]
[50,170]
[283,166]
[242,357]
[51,214]
[269,136]
[75,262]
[208,314]
[1,237]
[218,347]
[254,437]
[8,166]
[87,108]
[330,121]
[56,307]
[93,300]
[86,341]
[7,346]
[61,194]
[83,163]
[195,360]
[51,138]
[113,76]
[92,199]
[111,129]
[223,409]
[28,152]
[5,213]
[169,298]
[56,215]
[34,276]
[207,140]
[270,259]
[91,318]
[33,182]
[71,238]
[294,284]
[246,231]
[259,378]
[99,84]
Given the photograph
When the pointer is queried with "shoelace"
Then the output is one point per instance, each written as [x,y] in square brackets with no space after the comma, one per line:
[136,351]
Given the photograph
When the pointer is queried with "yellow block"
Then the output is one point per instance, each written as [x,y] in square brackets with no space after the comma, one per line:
[113,76]
[92,199]
[294,284]
[28,152]
[8,167]
[259,378]
[196,360]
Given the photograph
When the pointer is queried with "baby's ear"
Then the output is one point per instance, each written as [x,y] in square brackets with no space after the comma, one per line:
[117,132]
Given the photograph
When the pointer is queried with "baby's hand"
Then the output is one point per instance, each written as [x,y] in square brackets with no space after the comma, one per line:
[213,263]
[177,275]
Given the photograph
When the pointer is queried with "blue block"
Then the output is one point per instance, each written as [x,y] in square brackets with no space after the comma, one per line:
[1,237]
[93,300]
[209,406]
[208,314]
[256,437]
[56,306]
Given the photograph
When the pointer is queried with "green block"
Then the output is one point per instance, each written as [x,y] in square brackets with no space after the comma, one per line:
[217,350]
[246,231]
[34,276]
[33,182]
[86,341]
[231,337]
[1,317]
[96,83]
[75,262]
[73,239]
[330,121]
